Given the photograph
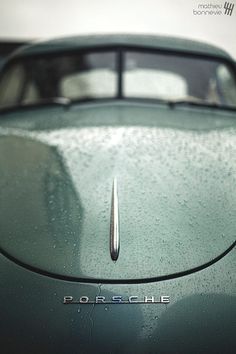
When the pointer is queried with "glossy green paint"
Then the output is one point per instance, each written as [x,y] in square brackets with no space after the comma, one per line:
[175,168]
[148,41]
[172,185]
[200,317]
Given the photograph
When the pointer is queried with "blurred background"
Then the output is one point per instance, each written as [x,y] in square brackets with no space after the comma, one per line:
[30,20]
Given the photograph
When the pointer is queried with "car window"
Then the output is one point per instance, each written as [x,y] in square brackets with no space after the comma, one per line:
[118,73]
[151,83]
[176,77]
[11,85]
[31,93]
[74,76]
[226,84]
[91,83]
[91,75]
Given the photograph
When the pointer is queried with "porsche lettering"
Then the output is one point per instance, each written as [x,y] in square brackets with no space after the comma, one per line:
[117,299]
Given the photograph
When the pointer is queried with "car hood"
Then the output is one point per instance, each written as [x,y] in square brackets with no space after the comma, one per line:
[176,190]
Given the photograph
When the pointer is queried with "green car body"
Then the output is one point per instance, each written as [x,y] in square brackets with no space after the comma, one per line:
[172,285]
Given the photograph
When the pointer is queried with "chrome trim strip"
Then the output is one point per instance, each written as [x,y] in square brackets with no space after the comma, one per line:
[114,223]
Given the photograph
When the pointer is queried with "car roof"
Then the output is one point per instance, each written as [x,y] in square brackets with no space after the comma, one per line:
[146,41]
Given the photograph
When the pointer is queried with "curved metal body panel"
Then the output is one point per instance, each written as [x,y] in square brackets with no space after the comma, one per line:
[200,317]
[168,222]
[172,183]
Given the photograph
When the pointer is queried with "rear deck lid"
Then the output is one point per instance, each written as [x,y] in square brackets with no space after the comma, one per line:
[175,190]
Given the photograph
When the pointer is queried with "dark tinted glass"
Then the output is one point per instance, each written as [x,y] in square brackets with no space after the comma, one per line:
[172,77]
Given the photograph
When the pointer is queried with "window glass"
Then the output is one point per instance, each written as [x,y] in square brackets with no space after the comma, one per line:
[227,86]
[175,77]
[11,85]
[151,83]
[94,75]
[75,76]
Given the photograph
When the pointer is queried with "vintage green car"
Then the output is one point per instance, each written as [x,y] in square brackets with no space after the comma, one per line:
[118,197]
